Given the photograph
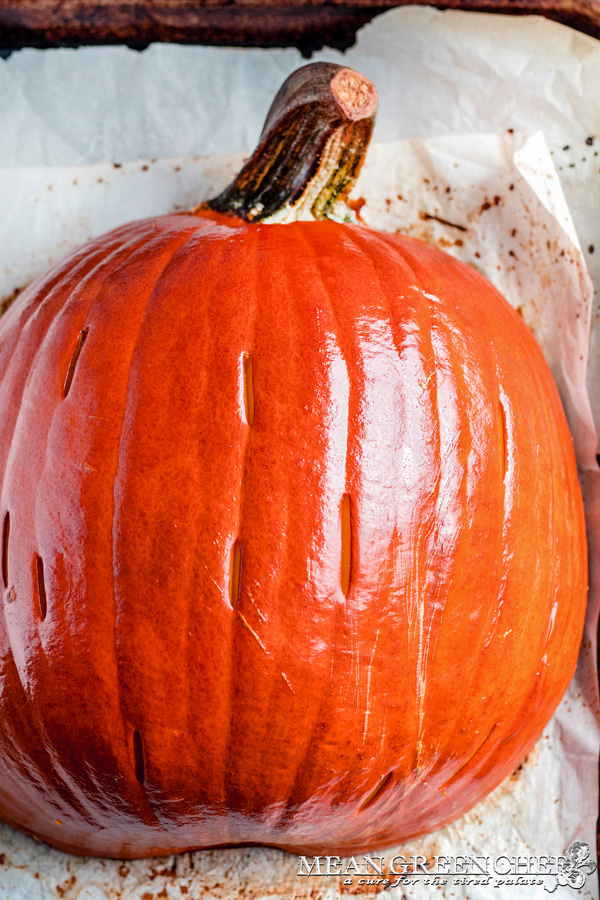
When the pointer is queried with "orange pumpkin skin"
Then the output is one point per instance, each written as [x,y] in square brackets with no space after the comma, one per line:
[163,704]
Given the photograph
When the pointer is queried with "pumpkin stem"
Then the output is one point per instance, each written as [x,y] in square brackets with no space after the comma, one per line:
[311,149]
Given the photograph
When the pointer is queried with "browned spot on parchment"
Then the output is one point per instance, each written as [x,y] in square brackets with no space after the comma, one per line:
[7,302]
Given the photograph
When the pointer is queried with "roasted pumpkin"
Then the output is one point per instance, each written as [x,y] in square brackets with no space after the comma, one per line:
[293,548]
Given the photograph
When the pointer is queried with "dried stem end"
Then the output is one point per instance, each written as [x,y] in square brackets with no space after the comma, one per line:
[311,149]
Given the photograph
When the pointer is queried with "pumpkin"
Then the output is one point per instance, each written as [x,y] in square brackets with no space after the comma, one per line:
[293,545]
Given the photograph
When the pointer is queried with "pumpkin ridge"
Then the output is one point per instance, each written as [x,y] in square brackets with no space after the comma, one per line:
[9,460]
[346,610]
[295,796]
[545,415]
[237,474]
[24,310]
[446,345]
[89,267]
[321,299]
[360,238]
[425,538]
[492,616]
[523,349]
[529,350]
[213,297]
[364,240]
[178,246]
[75,800]
[343,609]
[61,785]
[59,779]
[115,270]
[284,278]
[202,266]
[426,542]
[427,611]
[444,328]
[235,659]
[278,588]
[558,452]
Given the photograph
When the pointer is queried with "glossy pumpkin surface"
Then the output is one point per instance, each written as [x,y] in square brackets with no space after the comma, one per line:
[293,543]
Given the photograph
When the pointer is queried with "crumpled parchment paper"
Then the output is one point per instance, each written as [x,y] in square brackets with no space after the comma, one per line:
[493,200]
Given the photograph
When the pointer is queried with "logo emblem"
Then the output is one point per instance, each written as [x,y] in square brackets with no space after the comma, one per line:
[574,867]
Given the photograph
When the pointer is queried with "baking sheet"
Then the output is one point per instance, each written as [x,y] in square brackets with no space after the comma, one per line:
[552,800]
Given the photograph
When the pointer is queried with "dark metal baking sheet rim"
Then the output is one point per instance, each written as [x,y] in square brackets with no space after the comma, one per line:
[258,23]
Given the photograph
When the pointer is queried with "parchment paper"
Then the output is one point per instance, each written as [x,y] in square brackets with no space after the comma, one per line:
[484,187]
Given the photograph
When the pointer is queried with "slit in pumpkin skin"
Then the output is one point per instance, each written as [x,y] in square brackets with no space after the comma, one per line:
[5,536]
[503,437]
[473,754]
[376,792]
[138,757]
[248,389]
[346,557]
[41,586]
[235,574]
[76,353]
